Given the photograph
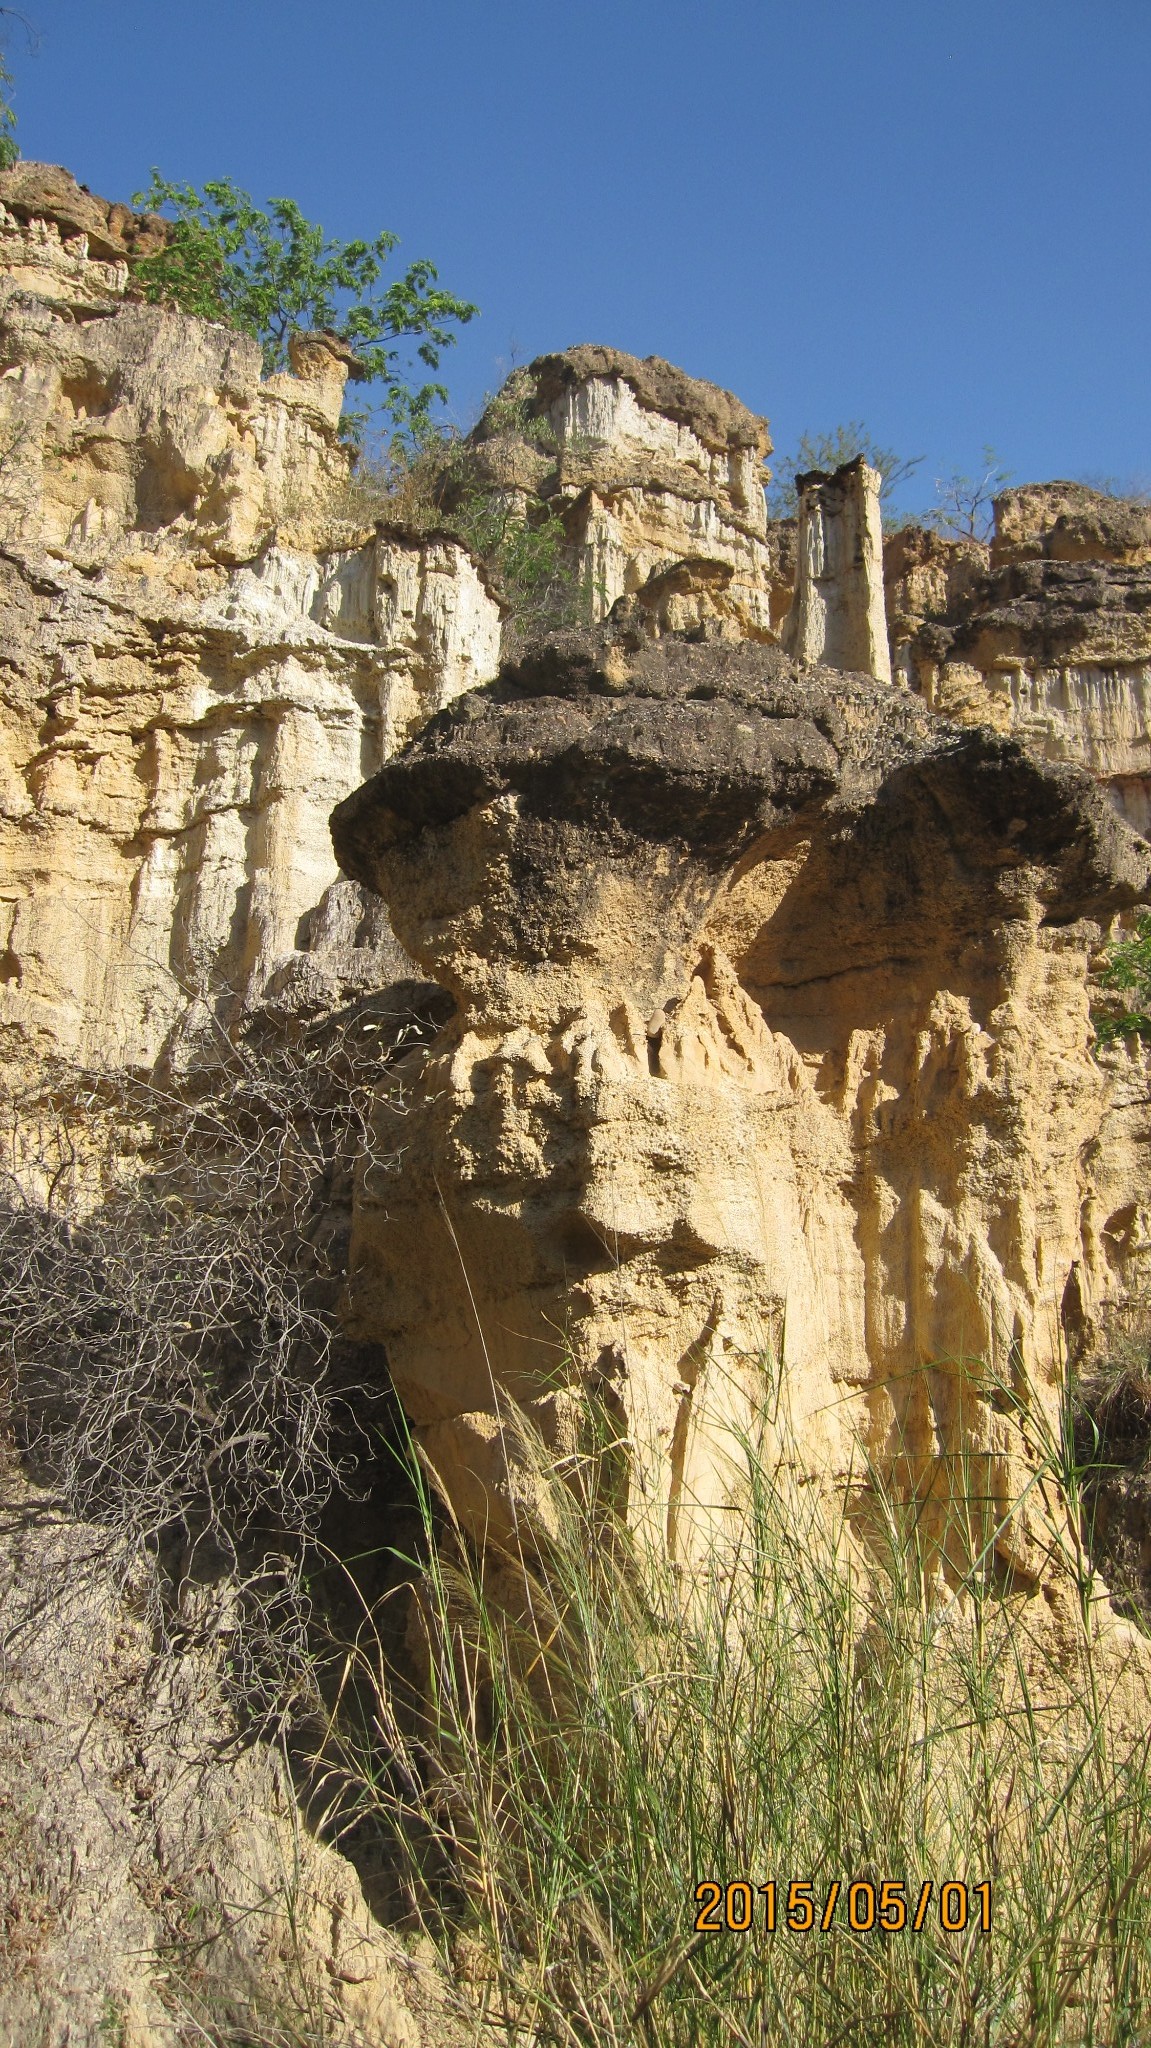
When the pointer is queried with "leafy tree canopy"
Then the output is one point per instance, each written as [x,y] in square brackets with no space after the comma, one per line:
[271,270]
[9,147]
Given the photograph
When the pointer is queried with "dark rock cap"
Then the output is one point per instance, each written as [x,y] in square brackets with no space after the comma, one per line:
[34,191]
[719,418]
[705,748]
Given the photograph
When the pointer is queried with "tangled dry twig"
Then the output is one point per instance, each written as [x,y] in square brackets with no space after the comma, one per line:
[172,1248]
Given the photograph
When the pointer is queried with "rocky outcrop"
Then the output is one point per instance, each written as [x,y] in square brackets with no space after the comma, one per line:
[38,196]
[201,656]
[837,614]
[1046,634]
[200,659]
[768,1107]
[1069,522]
[157,1880]
[772,1070]
[658,478]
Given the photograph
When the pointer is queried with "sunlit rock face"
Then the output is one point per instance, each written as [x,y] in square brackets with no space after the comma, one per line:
[658,478]
[771,1069]
[1046,633]
[201,659]
[837,614]
[772,1064]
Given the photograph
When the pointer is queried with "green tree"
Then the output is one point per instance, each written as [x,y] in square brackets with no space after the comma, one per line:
[271,270]
[828,452]
[9,147]
[1128,973]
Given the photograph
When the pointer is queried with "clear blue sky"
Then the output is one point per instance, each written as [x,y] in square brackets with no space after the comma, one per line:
[932,217]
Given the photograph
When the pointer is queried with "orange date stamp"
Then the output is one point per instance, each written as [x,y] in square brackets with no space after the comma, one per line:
[864,1907]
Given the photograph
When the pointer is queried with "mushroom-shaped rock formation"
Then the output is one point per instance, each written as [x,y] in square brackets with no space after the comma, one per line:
[769,1099]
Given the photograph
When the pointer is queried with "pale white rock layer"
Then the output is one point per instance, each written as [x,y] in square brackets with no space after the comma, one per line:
[197,669]
[837,615]
[659,481]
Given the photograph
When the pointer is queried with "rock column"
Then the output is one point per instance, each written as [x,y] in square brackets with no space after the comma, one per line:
[838,616]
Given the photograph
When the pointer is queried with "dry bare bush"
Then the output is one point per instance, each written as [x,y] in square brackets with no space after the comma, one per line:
[169,1330]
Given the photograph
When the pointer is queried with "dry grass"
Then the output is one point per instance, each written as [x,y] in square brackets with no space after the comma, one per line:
[582,1760]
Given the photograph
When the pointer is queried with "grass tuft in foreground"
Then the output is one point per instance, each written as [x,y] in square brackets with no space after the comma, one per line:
[578,1766]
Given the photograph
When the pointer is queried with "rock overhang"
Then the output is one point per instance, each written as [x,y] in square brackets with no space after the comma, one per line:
[710,748]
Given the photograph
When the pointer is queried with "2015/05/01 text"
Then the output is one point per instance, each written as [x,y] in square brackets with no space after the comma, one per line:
[867,1908]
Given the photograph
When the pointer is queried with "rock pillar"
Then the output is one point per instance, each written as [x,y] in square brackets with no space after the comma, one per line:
[838,617]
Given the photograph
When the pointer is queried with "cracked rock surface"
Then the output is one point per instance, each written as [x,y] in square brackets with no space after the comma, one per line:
[771,1063]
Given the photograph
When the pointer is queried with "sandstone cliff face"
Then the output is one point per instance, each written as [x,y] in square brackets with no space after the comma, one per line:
[769,1107]
[200,661]
[203,661]
[201,657]
[659,480]
[772,1069]
[1047,634]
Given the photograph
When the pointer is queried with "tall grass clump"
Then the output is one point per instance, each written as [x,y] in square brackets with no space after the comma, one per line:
[582,1753]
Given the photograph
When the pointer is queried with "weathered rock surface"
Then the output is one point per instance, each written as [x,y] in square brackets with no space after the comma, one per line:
[1046,635]
[772,1059]
[199,661]
[1069,522]
[770,1102]
[157,1881]
[837,615]
[48,195]
[658,478]
[200,657]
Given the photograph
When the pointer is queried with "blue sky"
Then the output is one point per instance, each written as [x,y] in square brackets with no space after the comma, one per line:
[930,217]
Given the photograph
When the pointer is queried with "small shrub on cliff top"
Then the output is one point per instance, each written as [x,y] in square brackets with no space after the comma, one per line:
[827,452]
[271,271]
[9,147]
[430,482]
[964,508]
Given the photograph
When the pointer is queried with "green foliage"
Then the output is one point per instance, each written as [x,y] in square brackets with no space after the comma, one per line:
[1128,971]
[828,452]
[528,551]
[509,413]
[271,270]
[9,147]
[524,543]
[530,556]
[435,479]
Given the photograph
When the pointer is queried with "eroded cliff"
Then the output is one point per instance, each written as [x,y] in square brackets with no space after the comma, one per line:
[1046,632]
[772,1066]
[769,1110]
[201,655]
